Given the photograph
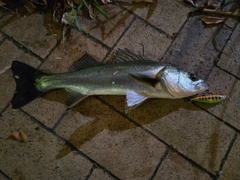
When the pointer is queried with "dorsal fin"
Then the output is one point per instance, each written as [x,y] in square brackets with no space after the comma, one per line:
[123,55]
[84,62]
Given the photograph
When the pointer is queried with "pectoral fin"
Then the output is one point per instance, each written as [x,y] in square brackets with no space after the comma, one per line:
[133,100]
[144,80]
[74,97]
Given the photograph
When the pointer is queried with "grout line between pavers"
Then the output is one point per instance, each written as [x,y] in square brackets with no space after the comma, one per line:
[221,120]
[149,24]
[215,63]
[91,37]
[219,172]
[226,71]
[22,47]
[228,39]
[49,54]
[90,172]
[174,38]
[59,120]
[69,144]
[157,138]
[4,109]
[120,37]
[160,162]
[5,175]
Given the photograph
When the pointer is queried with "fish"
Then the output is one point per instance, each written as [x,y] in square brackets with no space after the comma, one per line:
[210,99]
[132,75]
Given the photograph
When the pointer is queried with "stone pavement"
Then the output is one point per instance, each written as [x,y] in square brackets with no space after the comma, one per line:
[161,139]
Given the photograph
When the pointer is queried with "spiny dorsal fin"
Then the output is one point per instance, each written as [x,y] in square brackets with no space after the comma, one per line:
[123,55]
[84,62]
[74,97]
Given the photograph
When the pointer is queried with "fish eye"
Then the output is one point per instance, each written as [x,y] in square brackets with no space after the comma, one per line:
[193,77]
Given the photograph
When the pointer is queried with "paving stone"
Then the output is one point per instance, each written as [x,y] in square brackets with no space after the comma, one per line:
[176,167]
[197,47]
[8,53]
[222,83]
[231,167]
[162,14]
[230,57]
[104,30]
[36,159]
[99,173]
[137,40]
[49,108]
[111,140]
[31,32]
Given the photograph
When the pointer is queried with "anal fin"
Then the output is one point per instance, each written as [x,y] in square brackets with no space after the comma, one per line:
[74,97]
[133,100]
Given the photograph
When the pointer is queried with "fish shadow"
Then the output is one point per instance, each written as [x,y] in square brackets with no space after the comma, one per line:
[109,114]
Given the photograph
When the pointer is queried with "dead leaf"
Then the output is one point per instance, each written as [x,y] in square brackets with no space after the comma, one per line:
[29,6]
[68,18]
[20,136]
[214,4]
[193,3]
[211,19]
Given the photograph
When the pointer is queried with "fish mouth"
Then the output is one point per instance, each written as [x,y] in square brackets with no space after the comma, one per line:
[202,86]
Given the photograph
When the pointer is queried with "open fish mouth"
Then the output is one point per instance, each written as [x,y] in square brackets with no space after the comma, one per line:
[201,86]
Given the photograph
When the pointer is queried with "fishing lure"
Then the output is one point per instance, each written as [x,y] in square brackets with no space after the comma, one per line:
[210,99]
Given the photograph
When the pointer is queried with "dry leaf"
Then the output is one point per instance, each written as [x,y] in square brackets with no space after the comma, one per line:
[211,20]
[23,136]
[20,136]
[68,17]
[193,3]
[214,4]
[29,6]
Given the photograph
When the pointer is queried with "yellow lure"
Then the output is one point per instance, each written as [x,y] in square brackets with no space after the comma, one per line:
[210,99]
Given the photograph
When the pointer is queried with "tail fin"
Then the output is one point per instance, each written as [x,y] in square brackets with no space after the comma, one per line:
[25,77]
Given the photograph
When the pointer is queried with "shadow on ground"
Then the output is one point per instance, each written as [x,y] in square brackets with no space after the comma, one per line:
[100,118]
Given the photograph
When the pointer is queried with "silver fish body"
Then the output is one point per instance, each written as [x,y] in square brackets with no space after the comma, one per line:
[131,75]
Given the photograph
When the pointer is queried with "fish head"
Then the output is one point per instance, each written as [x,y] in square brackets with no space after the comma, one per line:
[181,84]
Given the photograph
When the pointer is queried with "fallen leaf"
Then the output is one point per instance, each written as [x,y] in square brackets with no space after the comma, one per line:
[29,6]
[20,136]
[193,3]
[68,17]
[211,19]
[23,136]
[214,4]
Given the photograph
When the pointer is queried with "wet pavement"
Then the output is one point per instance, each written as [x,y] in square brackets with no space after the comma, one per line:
[161,139]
